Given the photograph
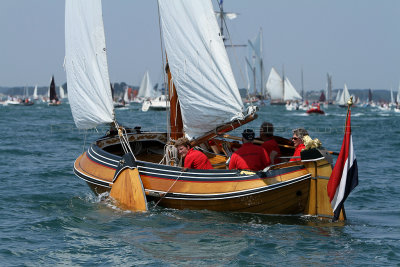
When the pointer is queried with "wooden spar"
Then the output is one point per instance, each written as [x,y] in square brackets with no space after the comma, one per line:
[223,129]
[175,118]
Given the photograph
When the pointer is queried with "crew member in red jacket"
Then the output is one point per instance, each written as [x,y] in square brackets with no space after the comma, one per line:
[297,139]
[193,159]
[249,156]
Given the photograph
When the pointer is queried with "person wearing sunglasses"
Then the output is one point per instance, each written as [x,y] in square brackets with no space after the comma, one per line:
[297,140]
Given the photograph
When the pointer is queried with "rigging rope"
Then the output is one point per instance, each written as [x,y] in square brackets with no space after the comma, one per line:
[177,178]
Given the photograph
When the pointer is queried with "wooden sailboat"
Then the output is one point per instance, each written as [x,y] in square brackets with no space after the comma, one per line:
[147,159]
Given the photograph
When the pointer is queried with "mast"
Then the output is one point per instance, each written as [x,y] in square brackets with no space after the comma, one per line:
[302,84]
[175,118]
[262,89]
[221,6]
[283,83]
[329,79]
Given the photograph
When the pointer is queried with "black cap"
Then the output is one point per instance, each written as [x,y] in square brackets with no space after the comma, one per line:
[248,134]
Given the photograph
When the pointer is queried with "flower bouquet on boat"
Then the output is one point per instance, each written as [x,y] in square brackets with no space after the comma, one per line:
[138,166]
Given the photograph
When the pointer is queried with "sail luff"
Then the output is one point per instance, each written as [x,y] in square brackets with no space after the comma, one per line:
[86,64]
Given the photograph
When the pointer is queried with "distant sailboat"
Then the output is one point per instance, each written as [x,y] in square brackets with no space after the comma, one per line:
[35,95]
[281,90]
[255,67]
[54,101]
[146,90]
[344,97]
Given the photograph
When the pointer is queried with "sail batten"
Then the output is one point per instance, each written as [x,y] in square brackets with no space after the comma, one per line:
[202,75]
[86,64]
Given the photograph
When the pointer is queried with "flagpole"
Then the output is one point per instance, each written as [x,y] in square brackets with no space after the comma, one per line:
[349,104]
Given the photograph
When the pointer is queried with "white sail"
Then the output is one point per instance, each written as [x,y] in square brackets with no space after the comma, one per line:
[202,74]
[338,95]
[62,95]
[86,64]
[398,95]
[345,96]
[126,96]
[275,85]
[146,87]
[391,97]
[255,72]
[290,92]
[35,95]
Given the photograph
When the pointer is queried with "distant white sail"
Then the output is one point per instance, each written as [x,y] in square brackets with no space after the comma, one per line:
[126,96]
[290,92]
[202,74]
[391,97]
[146,87]
[35,95]
[62,95]
[275,85]
[255,72]
[86,64]
[338,95]
[398,95]
[345,96]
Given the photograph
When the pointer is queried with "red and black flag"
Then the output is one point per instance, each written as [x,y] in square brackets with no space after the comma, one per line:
[344,177]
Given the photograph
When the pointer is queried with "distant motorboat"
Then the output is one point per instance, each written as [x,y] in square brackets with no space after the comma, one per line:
[158,103]
[315,109]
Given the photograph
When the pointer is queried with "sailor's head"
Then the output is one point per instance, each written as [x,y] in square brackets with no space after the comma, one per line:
[298,135]
[266,129]
[248,135]
[183,146]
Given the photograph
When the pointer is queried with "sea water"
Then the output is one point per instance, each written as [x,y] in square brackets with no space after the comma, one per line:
[49,217]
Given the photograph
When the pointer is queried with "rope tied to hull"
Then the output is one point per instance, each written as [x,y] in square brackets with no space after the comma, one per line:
[169,189]
[123,137]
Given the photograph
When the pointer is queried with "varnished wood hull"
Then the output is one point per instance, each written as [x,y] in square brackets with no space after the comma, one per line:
[284,189]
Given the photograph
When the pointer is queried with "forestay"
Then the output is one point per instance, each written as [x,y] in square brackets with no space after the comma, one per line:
[88,81]
[207,90]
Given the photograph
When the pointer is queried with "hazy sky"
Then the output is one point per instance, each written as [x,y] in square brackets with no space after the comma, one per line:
[356,41]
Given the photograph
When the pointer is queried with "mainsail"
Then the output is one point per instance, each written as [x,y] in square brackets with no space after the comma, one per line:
[86,64]
[146,88]
[207,90]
